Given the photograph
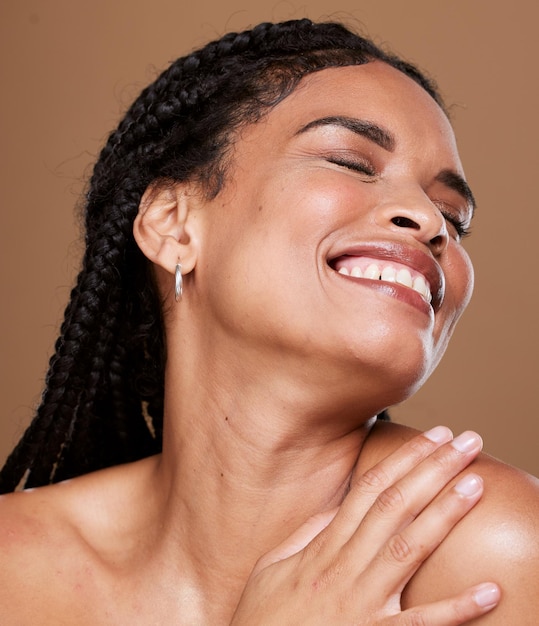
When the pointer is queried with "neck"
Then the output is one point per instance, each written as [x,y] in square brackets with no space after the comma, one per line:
[239,475]
[249,454]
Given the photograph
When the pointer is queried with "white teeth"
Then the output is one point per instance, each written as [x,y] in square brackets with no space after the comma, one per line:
[373,272]
[419,284]
[389,274]
[421,287]
[404,278]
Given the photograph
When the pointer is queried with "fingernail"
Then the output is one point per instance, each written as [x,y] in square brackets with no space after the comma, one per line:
[487,595]
[469,485]
[467,442]
[438,434]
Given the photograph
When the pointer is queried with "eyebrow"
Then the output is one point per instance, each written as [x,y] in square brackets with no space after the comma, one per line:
[371,131]
[386,140]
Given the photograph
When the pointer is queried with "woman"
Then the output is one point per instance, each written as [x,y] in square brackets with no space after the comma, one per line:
[273,258]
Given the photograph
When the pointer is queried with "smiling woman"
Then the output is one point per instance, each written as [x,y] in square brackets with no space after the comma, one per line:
[273,258]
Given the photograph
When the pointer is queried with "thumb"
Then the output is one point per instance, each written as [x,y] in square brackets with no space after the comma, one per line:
[297,540]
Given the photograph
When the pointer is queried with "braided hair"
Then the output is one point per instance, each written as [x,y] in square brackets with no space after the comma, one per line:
[103,400]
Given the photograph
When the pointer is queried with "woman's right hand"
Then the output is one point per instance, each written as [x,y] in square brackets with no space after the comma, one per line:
[351,565]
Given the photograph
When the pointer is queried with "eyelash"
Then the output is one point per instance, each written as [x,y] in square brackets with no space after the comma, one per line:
[365,168]
[356,166]
[459,225]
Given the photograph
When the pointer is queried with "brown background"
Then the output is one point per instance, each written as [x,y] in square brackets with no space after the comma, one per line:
[68,70]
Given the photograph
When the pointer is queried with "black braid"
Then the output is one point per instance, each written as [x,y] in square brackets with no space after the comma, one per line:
[103,401]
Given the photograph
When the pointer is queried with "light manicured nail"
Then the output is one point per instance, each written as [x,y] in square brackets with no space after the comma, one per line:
[469,485]
[439,434]
[467,442]
[487,596]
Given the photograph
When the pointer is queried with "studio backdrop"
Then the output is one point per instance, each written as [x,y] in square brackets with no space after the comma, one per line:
[69,69]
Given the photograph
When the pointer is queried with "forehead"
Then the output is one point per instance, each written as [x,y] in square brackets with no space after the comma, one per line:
[375,92]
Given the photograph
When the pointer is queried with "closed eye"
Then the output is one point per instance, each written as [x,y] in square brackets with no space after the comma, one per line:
[362,167]
[461,226]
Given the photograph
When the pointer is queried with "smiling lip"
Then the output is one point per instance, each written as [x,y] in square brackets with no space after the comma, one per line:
[397,256]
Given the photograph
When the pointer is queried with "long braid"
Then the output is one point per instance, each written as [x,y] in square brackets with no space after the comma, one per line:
[103,402]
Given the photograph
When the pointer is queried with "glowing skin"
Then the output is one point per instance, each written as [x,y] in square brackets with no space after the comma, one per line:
[276,365]
[296,202]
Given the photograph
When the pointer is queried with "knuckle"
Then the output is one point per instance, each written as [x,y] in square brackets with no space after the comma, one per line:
[420,447]
[443,463]
[333,573]
[327,576]
[414,618]
[401,550]
[373,480]
[390,500]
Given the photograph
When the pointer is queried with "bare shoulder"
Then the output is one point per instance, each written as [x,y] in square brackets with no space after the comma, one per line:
[31,521]
[37,543]
[497,541]
[56,543]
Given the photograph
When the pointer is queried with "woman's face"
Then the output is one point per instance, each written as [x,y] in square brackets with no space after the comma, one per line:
[335,241]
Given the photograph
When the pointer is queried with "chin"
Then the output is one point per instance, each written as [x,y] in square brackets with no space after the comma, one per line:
[376,378]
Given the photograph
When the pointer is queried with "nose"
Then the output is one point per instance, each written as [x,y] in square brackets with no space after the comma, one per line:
[421,219]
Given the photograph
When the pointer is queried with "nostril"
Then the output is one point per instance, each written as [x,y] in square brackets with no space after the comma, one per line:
[405,222]
[437,242]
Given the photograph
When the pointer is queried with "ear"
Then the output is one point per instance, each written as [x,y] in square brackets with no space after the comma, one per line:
[164,228]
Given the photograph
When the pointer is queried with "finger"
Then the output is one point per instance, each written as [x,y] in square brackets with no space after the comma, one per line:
[421,462]
[297,540]
[366,487]
[394,466]
[460,609]
[401,503]
[405,551]
[401,461]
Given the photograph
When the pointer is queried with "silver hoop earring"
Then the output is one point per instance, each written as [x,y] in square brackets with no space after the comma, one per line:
[178,283]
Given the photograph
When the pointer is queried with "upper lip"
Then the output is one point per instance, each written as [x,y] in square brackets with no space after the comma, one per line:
[406,255]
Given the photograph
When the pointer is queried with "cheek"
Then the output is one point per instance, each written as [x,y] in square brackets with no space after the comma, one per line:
[333,198]
[459,277]
[462,268]
[459,280]
[459,286]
